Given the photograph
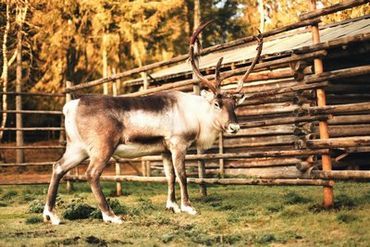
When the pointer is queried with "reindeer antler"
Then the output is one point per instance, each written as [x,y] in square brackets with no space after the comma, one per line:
[214,87]
[259,39]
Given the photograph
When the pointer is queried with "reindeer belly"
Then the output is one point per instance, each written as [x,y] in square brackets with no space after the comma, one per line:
[134,150]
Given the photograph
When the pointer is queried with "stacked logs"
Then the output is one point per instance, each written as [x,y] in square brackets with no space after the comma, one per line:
[280,114]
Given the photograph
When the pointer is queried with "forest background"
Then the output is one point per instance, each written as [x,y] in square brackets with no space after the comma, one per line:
[45,43]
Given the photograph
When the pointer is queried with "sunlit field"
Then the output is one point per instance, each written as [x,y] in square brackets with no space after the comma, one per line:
[233,215]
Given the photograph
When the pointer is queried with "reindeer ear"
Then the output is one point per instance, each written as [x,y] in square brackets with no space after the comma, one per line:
[208,95]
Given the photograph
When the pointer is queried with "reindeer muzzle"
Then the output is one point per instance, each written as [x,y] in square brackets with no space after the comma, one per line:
[233,128]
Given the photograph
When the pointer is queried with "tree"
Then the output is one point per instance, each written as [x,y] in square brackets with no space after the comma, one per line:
[4,74]
[229,23]
[284,12]
[20,13]
[21,10]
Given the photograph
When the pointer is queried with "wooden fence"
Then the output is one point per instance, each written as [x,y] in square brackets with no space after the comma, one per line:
[305,114]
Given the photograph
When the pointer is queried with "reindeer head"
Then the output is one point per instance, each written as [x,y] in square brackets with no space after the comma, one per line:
[222,103]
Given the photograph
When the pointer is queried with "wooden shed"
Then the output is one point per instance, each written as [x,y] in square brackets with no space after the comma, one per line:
[280,113]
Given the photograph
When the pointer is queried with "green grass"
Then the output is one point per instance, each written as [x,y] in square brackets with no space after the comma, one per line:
[34,220]
[229,216]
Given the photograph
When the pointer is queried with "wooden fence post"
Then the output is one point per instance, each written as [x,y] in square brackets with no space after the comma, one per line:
[116,163]
[69,98]
[221,151]
[323,125]
[201,163]
[146,165]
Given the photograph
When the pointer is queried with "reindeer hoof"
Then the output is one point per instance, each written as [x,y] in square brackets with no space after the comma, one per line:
[49,216]
[188,209]
[172,206]
[54,220]
[112,219]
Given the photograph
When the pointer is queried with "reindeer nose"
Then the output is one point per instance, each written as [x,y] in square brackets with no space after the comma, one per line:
[233,128]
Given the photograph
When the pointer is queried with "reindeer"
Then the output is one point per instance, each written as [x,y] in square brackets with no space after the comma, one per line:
[99,127]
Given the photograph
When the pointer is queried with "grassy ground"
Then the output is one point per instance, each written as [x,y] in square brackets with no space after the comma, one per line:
[234,215]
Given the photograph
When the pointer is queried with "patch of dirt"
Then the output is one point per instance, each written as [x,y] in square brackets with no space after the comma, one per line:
[32,155]
[31,234]
[96,241]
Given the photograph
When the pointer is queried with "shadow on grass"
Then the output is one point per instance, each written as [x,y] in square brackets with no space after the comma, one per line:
[79,209]
[295,198]
[340,202]
[78,241]
[199,236]
[34,220]
[346,218]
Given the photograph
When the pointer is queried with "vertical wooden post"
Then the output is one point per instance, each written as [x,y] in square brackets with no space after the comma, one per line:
[145,85]
[201,174]
[115,89]
[146,165]
[148,169]
[116,85]
[221,151]
[117,164]
[201,163]
[18,98]
[69,98]
[323,125]
[118,173]
[62,131]
[76,169]
[196,90]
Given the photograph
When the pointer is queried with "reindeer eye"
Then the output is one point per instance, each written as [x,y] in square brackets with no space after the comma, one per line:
[217,105]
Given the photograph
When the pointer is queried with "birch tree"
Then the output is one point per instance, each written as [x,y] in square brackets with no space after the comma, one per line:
[4,74]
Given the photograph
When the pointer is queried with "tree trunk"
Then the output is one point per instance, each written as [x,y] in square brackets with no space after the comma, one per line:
[197,49]
[4,74]
[105,62]
[261,11]
[196,14]
[21,16]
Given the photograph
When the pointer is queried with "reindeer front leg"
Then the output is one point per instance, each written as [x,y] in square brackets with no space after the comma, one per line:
[178,159]
[170,175]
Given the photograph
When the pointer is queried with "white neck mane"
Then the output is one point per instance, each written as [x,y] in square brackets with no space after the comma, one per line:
[208,132]
[199,117]
[206,138]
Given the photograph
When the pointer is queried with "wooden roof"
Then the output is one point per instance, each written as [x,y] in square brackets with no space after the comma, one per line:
[277,44]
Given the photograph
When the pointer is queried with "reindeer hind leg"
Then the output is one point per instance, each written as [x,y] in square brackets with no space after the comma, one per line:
[93,173]
[72,157]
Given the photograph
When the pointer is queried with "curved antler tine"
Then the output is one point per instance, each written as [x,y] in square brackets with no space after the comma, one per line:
[259,39]
[198,31]
[193,58]
[218,78]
